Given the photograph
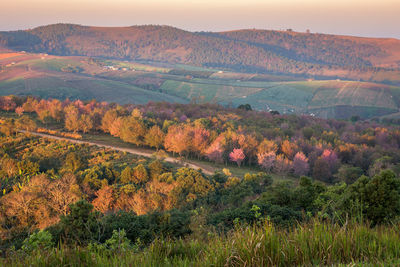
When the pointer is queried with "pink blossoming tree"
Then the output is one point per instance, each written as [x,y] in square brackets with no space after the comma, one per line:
[237,156]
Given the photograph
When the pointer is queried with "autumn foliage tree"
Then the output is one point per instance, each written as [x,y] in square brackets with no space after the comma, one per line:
[63,192]
[140,174]
[177,140]
[288,149]
[200,140]
[108,119]
[282,165]
[155,137]
[215,151]
[72,122]
[104,200]
[133,130]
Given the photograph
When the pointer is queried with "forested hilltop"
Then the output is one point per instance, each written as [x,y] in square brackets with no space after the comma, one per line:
[287,190]
[305,54]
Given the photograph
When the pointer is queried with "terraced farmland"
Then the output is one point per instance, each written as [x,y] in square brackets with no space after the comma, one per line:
[332,98]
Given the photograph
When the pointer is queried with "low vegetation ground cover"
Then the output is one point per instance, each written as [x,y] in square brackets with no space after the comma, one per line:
[313,244]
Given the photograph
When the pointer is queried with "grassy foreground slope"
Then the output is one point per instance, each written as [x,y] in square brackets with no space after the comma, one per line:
[313,244]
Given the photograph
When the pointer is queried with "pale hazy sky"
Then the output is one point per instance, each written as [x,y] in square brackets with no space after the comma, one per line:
[378,18]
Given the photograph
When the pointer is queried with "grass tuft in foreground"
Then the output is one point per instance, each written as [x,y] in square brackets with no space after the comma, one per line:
[312,244]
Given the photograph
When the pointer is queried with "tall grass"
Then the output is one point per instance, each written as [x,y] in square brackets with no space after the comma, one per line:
[312,244]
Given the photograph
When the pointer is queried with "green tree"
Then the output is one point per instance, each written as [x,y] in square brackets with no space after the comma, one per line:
[81,225]
[156,169]
[118,242]
[321,170]
[127,175]
[378,198]
[349,174]
[94,178]
[306,194]
[140,174]
[308,132]
[73,162]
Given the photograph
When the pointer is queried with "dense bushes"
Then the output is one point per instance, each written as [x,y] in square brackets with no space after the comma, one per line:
[84,225]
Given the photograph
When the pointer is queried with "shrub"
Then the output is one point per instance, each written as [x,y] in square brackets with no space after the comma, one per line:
[41,240]
[80,225]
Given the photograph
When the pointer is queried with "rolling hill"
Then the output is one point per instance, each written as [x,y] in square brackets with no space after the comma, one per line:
[86,78]
[68,77]
[323,75]
[283,52]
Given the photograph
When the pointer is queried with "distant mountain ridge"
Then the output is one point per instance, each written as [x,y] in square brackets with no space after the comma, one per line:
[304,54]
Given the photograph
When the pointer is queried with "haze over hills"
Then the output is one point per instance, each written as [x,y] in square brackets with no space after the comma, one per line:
[305,54]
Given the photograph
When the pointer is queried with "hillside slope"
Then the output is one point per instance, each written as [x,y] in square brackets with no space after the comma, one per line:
[123,82]
[68,77]
[303,54]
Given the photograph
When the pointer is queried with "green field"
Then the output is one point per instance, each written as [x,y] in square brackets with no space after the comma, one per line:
[132,82]
[360,98]
[50,78]
[85,89]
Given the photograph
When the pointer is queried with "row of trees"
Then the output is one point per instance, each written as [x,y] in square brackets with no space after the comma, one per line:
[282,144]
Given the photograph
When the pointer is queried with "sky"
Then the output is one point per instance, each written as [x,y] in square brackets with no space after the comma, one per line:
[372,18]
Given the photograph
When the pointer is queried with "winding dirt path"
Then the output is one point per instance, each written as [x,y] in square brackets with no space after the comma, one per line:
[134,151]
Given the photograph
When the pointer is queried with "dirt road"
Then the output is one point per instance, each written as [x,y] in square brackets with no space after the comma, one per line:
[124,149]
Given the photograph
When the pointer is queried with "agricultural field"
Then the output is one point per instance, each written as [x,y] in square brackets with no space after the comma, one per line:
[74,78]
[124,82]
[309,97]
